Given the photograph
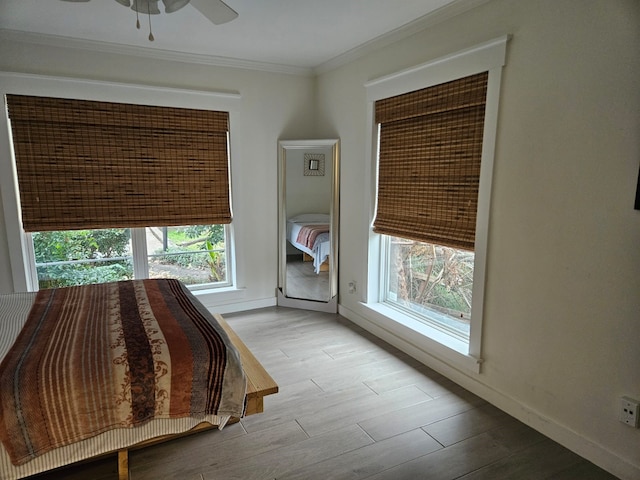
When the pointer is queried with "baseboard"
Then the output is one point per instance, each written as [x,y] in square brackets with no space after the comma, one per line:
[566,437]
[240,306]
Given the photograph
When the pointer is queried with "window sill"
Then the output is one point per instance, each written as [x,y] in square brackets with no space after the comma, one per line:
[221,290]
[423,337]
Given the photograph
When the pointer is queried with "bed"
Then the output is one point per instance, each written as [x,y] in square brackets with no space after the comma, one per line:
[309,233]
[174,367]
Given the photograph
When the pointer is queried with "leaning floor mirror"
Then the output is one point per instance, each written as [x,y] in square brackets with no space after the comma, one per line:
[308,224]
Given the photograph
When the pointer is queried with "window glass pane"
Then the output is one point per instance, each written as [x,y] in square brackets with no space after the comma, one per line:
[432,281]
[194,254]
[81,257]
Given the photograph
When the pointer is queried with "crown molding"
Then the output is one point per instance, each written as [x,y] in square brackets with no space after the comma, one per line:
[429,20]
[446,12]
[153,53]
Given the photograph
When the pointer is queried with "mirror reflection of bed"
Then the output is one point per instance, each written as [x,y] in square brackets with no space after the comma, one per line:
[307,265]
[308,224]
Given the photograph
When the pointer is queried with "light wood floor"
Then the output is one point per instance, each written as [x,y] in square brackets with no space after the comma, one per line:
[351,407]
[303,282]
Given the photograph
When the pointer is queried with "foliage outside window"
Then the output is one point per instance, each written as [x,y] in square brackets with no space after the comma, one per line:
[80,257]
[195,254]
[431,281]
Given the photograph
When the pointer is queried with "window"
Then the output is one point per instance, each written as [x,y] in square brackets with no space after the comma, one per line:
[196,255]
[434,134]
[170,166]
[429,162]
[80,257]
[431,282]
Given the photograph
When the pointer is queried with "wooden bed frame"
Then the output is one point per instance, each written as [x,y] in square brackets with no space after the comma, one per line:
[259,385]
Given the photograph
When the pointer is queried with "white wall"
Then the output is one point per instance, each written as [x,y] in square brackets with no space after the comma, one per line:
[308,193]
[562,309]
[272,106]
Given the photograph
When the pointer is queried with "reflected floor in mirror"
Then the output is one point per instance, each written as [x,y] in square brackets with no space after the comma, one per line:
[304,283]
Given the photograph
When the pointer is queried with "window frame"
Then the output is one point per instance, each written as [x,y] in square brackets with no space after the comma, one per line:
[385,260]
[20,245]
[489,56]
[139,257]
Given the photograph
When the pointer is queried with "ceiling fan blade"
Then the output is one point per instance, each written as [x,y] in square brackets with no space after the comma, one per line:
[216,11]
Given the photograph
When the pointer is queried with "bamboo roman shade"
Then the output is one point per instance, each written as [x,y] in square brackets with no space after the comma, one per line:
[429,162]
[86,164]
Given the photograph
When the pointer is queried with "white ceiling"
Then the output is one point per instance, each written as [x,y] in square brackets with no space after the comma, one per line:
[298,34]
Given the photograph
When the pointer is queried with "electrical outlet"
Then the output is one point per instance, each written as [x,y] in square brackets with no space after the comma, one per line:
[629,411]
[352,287]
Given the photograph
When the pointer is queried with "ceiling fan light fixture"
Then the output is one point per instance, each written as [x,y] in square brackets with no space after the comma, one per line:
[216,11]
[146,7]
[171,6]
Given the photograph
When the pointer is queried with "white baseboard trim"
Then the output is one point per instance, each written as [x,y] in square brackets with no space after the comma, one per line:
[240,306]
[566,437]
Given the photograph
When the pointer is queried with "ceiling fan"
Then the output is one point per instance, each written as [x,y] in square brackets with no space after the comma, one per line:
[216,11]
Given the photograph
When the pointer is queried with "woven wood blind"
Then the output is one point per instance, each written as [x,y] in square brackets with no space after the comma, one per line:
[429,165]
[85,164]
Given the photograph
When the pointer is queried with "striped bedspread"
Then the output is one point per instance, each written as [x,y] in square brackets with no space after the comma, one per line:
[94,358]
[308,234]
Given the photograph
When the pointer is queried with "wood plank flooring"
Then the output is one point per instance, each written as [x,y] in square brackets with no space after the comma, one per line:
[303,282]
[350,407]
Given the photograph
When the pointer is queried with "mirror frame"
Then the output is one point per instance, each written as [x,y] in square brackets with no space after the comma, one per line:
[283,300]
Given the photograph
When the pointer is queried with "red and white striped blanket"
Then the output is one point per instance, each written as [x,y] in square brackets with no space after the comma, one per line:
[309,233]
[116,355]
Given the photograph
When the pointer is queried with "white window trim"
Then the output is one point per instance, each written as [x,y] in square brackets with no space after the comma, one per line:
[491,57]
[20,248]
[141,258]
